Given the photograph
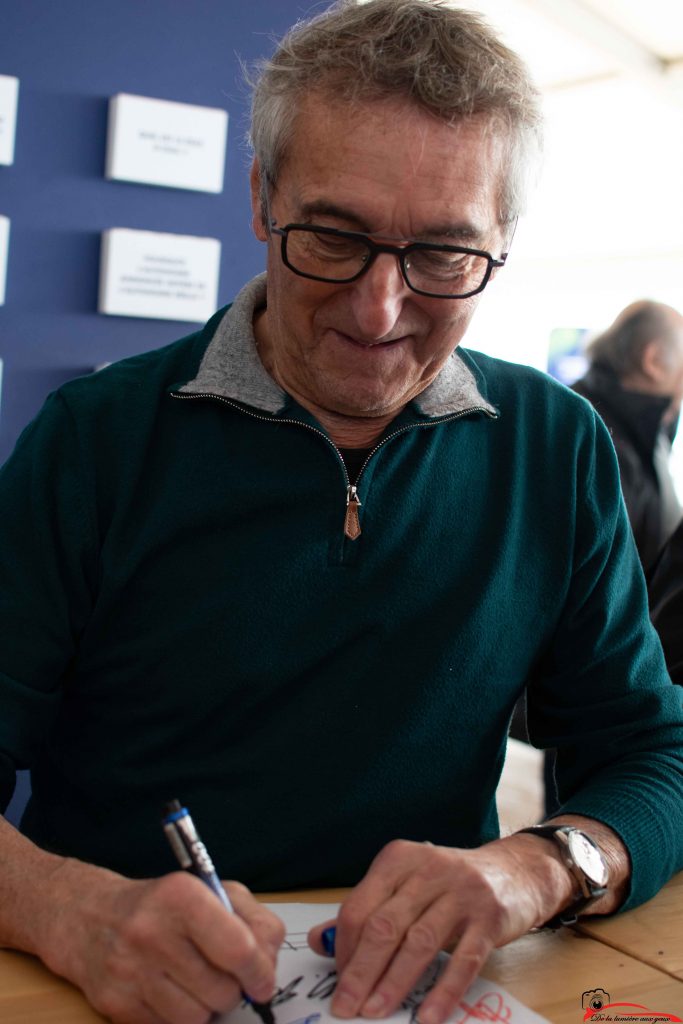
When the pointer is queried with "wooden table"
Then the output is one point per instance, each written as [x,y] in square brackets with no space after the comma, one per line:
[652,933]
[637,958]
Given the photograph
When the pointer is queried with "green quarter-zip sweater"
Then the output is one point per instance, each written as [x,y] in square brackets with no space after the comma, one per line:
[187,609]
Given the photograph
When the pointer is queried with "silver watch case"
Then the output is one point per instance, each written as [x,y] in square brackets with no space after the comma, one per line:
[583,858]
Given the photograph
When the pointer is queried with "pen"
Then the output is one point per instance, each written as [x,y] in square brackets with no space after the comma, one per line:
[193,856]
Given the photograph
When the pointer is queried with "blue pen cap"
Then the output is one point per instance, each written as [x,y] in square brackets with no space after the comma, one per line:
[329,940]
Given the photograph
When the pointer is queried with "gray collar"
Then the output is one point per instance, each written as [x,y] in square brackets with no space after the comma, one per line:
[231,367]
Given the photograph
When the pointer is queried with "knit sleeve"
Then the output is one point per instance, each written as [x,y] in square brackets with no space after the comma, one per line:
[47,581]
[601,695]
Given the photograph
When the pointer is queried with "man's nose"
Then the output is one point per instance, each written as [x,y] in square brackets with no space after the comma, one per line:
[378,297]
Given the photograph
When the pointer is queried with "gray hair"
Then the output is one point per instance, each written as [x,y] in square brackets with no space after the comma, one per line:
[448,61]
[620,348]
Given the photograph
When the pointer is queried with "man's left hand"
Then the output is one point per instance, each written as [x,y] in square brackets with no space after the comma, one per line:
[418,899]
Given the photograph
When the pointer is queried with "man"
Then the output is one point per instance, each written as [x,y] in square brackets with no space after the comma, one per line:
[635,381]
[298,568]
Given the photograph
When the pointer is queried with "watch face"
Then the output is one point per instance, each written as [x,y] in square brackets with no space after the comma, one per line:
[587,856]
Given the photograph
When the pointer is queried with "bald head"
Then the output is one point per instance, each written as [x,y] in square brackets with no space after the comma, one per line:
[644,349]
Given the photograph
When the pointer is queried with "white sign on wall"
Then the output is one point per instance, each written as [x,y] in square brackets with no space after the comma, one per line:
[4,255]
[158,275]
[158,142]
[9,94]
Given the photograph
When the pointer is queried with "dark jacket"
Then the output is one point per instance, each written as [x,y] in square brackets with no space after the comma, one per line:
[634,420]
[665,586]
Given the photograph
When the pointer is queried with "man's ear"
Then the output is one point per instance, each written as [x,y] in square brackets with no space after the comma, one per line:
[509,229]
[653,362]
[258,214]
[507,234]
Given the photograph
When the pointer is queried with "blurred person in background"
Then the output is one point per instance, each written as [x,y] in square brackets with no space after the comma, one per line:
[635,382]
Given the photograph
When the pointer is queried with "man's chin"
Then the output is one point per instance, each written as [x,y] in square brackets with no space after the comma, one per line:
[365,407]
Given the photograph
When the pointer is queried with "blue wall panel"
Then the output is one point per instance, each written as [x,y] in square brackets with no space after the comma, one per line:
[70,57]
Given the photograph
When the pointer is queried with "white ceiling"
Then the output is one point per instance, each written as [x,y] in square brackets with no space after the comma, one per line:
[655,24]
[569,41]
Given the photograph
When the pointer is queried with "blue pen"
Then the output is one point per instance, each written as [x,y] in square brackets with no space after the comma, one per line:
[193,856]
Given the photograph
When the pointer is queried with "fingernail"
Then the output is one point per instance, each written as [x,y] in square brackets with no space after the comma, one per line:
[263,993]
[429,1016]
[328,939]
[375,1005]
[344,1005]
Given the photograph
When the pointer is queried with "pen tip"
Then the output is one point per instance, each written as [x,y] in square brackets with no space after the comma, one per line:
[265,1012]
[172,806]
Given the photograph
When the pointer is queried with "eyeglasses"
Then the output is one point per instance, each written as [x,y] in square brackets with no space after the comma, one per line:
[439,271]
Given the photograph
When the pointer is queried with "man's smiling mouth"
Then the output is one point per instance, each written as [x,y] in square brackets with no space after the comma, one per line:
[390,343]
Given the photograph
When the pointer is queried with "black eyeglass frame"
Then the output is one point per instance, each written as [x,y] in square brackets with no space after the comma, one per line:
[375,248]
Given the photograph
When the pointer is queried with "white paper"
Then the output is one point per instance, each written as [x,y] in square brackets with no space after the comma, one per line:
[4,255]
[9,94]
[158,275]
[158,142]
[306,982]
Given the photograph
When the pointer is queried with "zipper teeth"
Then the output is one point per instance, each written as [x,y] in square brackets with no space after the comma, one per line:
[431,423]
[266,419]
[328,440]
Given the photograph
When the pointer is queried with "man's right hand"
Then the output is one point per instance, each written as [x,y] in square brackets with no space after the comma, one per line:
[161,951]
[164,950]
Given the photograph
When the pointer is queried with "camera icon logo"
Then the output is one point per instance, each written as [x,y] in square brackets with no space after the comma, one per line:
[594,999]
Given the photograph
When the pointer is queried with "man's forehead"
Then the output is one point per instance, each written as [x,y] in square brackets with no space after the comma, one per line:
[363,161]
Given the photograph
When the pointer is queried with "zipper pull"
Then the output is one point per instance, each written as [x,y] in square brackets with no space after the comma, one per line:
[351,520]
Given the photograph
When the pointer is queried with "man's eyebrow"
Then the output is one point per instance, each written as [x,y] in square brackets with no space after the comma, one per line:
[325,208]
[455,233]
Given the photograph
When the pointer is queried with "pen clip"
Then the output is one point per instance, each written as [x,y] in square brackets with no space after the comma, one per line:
[177,845]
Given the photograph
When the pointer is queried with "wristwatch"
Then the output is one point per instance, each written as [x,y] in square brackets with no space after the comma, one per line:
[586,862]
